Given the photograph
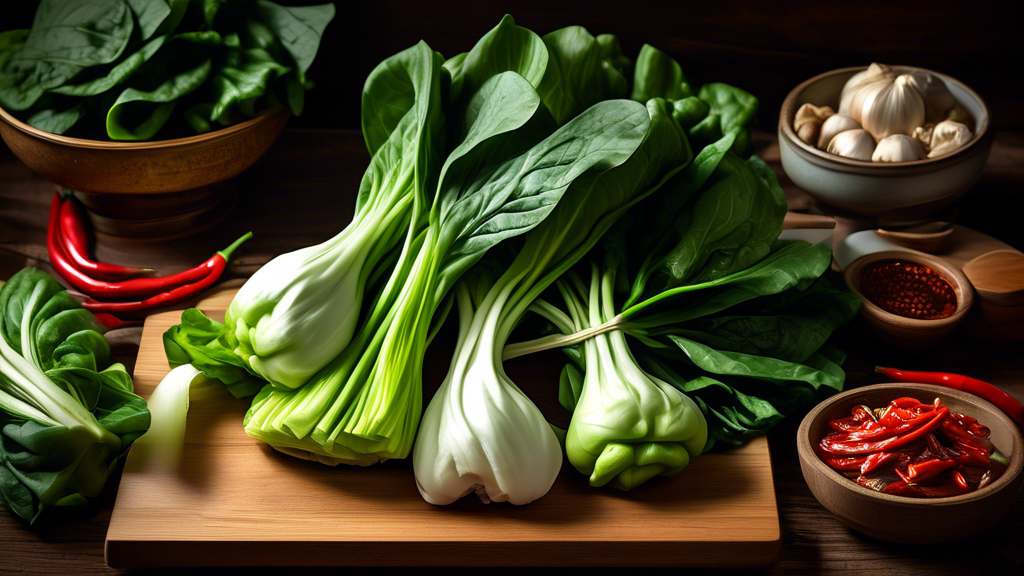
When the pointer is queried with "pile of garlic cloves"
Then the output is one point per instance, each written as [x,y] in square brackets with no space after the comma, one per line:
[885,117]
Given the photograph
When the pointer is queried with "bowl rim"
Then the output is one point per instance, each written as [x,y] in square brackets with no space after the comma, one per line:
[983,132]
[806,447]
[965,297]
[38,134]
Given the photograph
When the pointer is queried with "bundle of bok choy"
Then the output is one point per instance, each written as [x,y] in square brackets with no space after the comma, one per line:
[529,136]
[718,309]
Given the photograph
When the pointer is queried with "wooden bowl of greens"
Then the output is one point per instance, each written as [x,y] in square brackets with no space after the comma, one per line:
[148,108]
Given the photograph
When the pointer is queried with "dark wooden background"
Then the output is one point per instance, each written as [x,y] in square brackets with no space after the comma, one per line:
[766,48]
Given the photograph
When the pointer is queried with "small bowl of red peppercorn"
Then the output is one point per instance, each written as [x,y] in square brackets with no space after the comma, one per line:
[911,299]
[912,463]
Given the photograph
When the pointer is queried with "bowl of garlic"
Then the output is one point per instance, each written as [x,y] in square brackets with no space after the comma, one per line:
[883,140]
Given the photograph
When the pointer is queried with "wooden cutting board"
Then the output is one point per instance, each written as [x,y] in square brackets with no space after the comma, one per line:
[235,501]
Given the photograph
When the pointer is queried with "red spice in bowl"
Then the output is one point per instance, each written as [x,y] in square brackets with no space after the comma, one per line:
[913,449]
[908,289]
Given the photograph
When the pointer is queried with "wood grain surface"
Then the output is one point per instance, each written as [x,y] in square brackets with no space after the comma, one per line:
[300,193]
[235,501]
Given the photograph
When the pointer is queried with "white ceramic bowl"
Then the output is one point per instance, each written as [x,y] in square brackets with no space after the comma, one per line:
[881,188]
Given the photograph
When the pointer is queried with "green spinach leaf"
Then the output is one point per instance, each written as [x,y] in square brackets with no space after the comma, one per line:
[66,36]
[299,28]
[138,115]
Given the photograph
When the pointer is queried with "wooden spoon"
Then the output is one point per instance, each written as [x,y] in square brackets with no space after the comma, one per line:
[998,277]
[929,237]
[795,220]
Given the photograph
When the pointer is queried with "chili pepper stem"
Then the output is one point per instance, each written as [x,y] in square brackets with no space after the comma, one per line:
[226,253]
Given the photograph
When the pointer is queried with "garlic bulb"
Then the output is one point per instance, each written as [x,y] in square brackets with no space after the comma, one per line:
[898,148]
[808,121]
[857,144]
[857,80]
[937,97]
[947,137]
[889,107]
[960,114]
[923,134]
[834,125]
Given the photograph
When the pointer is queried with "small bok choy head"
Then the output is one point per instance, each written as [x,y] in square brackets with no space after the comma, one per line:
[66,414]
[627,426]
[480,433]
[301,309]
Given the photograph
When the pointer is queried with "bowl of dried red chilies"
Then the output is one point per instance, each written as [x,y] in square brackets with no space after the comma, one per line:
[912,463]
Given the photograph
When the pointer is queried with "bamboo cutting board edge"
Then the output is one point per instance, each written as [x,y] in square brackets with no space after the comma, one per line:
[232,492]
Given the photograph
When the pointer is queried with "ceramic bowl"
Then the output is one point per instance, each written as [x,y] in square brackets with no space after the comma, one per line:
[905,189]
[901,518]
[142,188]
[900,330]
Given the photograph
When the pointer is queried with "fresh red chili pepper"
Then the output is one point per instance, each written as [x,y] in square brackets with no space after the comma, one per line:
[112,322]
[218,264]
[993,394]
[135,288]
[933,419]
[76,246]
[960,480]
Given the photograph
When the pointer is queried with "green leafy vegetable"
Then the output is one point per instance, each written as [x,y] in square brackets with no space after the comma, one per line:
[66,416]
[300,310]
[479,421]
[65,38]
[658,75]
[143,66]
[718,308]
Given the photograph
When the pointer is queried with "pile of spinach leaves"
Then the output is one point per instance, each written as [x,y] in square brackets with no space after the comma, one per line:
[133,69]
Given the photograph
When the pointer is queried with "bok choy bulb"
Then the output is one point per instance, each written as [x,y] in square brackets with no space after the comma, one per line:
[627,426]
[475,411]
[480,433]
[299,311]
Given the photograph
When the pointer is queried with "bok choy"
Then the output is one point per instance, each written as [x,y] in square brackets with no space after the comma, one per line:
[66,414]
[480,433]
[300,310]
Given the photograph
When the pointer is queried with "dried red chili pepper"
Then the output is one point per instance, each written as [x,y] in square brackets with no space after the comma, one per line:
[901,488]
[853,463]
[875,461]
[915,462]
[934,419]
[218,264]
[1004,401]
[76,246]
[924,471]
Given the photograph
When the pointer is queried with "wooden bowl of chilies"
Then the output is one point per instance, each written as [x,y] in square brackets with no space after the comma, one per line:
[901,518]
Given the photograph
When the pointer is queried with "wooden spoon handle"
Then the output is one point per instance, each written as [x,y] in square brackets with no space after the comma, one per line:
[797,220]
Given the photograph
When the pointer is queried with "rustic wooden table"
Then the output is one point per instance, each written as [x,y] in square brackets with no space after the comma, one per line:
[302,192]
